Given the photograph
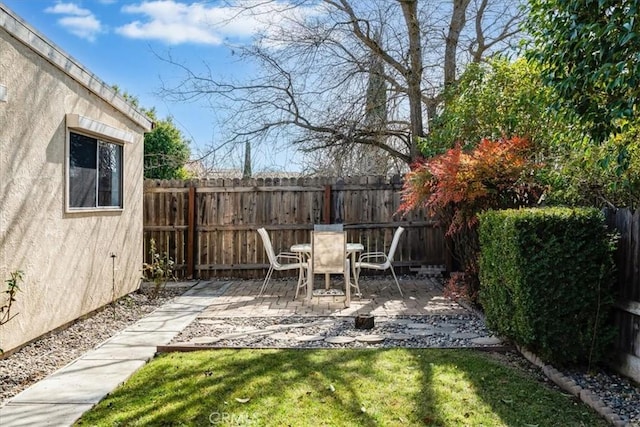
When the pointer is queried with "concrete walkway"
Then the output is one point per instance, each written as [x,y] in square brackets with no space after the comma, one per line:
[62,398]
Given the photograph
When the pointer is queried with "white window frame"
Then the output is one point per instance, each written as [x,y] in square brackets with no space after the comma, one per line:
[101,132]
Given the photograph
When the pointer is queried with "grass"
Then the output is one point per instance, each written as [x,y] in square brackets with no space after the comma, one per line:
[416,387]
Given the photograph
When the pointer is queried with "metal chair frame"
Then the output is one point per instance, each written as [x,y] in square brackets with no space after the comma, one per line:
[282,262]
[380,260]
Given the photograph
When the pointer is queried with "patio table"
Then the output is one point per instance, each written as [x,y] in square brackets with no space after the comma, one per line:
[305,249]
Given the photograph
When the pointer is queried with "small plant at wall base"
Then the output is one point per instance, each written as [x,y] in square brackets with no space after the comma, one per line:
[12,289]
[160,270]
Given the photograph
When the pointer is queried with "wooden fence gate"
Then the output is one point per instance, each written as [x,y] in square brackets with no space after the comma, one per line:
[208,227]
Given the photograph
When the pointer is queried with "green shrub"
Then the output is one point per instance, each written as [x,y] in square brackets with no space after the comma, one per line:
[160,270]
[546,280]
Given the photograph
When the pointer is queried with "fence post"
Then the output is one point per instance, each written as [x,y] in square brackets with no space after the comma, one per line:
[338,202]
[191,232]
[326,205]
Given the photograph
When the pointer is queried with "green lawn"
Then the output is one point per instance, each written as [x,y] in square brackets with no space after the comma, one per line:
[395,387]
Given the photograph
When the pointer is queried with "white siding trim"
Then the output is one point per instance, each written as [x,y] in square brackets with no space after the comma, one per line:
[94,127]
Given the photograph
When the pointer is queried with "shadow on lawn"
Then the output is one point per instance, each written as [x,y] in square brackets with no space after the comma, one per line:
[325,387]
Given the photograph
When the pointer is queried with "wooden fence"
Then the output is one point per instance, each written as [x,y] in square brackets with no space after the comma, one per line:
[627,316]
[209,227]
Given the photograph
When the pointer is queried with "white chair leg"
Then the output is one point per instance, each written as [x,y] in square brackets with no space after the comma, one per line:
[396,279]
[301,280]
[266,281]
[356,277]
[347,285]
[356,285]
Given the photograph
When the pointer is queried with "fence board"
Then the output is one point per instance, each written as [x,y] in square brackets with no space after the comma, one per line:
[627,316]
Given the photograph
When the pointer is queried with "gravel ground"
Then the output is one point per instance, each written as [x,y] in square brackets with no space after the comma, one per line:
[617,392]
[46,355]
[310,332]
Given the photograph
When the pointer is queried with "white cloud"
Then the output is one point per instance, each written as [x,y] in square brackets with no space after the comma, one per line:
[171,33]
[174,22]
[78,21]
[85,27]
[68,9]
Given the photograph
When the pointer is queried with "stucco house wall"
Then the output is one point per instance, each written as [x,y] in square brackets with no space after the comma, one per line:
[65,254]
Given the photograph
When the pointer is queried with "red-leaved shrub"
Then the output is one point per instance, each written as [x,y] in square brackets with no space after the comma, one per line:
[457,185]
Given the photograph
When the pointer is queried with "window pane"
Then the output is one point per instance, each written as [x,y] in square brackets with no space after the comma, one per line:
[110,173]
[82,171]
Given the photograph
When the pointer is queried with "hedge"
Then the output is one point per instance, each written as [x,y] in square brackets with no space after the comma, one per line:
[546,280]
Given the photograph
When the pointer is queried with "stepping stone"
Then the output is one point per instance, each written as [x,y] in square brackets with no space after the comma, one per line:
[211,321]
[275,327]
[463,335]
[372,339]
[398,336]
[421,332]
[247,329]
[309,338]
[419,326]
[263,332]
[487,341]
[204,340]
[293,325]
[245,334]
[446,328]
[341,339]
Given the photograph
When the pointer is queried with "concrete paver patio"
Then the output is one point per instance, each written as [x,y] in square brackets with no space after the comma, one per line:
[380,297]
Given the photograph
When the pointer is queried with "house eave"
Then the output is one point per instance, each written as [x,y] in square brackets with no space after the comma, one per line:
[31,38]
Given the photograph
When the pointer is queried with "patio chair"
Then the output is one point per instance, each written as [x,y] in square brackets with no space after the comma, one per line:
[327,227]
[380,260]
[329,256]
[281,262]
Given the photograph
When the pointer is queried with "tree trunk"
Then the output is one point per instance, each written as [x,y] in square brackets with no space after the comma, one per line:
[458,21]
[432,111]
[246,173]
[414,73]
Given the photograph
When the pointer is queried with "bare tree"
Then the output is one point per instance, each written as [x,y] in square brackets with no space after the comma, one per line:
[317,63]
[362,159]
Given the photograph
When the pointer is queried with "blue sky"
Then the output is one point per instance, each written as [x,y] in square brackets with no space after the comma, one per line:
[120,40]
